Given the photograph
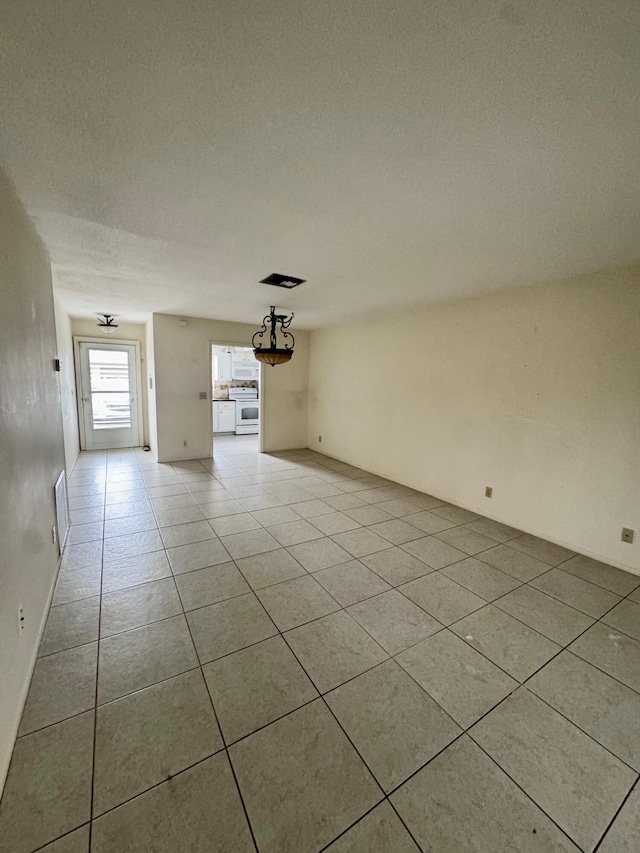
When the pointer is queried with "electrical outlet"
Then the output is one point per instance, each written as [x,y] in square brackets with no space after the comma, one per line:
[184,442]
[488,491]
[54,534]
[320,439]
[20,619]
[627,535]
[203,395]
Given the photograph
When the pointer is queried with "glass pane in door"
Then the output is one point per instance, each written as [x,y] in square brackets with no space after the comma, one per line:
[110,393]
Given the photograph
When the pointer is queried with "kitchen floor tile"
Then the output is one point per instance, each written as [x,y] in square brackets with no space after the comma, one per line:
[514,647]
[88,532]
[238,523]
[276,515]
[461,680]
[334,649]
[351,582]
[311,509]
[196,810]
[397,507]
[429,522]
[334,522]
[345,501]
[131,545]
[319,554]
[81,556]
[197,555]
[598,704]
[367,514]
[434,553]
[222,628]
[297,601]
[520,566]
[271,567]
[481,579]
[48,788]
[625,617]
[544,614]
[186,534]
[75,842]
[295,532]
[207,586]
[302,782]
[442,598]
[540,549]
[582,595]
[249,543]
[144,656]
[625,830]
[140,605]
[462,803]
[132,524]
[222,509]
[455,513]
[396,566]
[144,738]
[395,726]
[393,621]
[578,783]
[255,686]
[126,510]
[611,651]
[381,831]
[465,540]
[396,531]
[601,574]
[361,542]
[70,625]
[493,529]
[179,514]
[63,685]
[131,571]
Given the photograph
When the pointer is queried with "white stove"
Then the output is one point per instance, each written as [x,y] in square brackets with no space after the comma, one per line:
[247,410]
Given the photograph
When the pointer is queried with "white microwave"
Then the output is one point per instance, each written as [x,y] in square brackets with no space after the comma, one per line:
[245,371]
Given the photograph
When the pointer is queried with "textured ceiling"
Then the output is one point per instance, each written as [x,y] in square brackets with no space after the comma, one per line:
[174,153]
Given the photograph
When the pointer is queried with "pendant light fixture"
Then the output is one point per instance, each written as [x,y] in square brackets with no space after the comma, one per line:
[273,354]
[107,325]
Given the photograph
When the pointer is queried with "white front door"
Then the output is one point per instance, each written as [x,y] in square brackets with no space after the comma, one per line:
[108,395]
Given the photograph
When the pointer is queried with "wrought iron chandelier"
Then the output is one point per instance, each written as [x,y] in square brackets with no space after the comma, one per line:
[107,325]
[273,354]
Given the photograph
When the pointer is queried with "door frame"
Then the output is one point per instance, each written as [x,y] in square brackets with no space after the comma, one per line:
[84,339]
[242,345]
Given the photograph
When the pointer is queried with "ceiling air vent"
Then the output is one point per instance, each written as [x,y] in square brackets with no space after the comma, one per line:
[279,280]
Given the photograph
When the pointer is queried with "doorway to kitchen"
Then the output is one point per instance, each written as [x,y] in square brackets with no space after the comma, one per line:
[236,399]
[108,394]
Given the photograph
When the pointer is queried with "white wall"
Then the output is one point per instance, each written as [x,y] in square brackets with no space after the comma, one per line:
[126,332]
[31,455]
[535,392]
[67,380]
[183,369]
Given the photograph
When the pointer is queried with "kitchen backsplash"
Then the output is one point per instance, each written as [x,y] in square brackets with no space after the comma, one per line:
[221,387]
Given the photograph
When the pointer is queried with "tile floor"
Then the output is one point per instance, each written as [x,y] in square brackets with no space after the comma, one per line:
[283,653]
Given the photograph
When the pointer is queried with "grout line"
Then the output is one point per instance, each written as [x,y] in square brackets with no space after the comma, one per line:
[617,812]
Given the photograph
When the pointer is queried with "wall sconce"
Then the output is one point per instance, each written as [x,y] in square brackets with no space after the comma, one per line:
[107,325]
[273,354]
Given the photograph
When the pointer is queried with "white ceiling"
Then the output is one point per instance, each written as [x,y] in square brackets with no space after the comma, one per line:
[388,151]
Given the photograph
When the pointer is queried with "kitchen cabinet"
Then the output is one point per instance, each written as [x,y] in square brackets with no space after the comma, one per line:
[243,357]
[224,416]
[223,369]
